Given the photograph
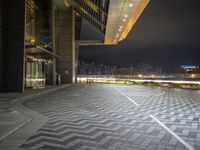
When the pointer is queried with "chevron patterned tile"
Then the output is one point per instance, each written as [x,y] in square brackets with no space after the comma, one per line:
[98,117]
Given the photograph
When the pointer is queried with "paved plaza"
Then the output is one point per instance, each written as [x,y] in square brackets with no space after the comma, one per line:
[104,117]
[116,117]
[13,117]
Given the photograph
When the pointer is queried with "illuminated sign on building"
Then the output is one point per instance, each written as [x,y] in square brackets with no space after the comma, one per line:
[189,68]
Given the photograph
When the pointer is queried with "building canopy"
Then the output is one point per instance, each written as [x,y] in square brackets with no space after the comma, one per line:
[114,18]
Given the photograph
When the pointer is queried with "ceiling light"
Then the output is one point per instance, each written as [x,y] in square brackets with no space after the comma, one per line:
[124,20]
[121,27]
[130,5]
[120,30]
[125,15]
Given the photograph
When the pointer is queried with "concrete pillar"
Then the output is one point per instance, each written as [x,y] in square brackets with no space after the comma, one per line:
[53,42]
[65,44]
[76,63]
[1,46]
[12,47]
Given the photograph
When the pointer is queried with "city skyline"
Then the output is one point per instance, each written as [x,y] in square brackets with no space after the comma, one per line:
[103,69]
[93,68]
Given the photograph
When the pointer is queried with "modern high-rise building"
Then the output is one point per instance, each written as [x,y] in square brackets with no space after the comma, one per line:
[39,39]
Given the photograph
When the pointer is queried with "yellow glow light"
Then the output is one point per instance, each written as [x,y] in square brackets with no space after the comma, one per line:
[91,5]
[67,3]
[152,76]
[168,81]
[140,75]
[32,41]
[193,75]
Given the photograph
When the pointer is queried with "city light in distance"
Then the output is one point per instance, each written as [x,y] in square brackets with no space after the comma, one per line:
[193,75]
[140,76]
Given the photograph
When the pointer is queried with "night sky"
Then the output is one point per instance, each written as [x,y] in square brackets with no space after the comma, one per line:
[166,35]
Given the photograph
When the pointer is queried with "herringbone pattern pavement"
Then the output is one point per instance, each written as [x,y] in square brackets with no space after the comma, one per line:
[99,117]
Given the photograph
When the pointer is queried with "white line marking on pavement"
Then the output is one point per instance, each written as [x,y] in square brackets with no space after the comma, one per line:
[126,96]
[15,129]
[172,133]
[160,123]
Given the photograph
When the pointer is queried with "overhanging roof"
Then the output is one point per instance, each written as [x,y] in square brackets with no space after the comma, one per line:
[122,16]
[88,42]
[37,50]
[118,19]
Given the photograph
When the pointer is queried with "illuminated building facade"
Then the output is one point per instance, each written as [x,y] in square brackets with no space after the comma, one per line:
[188,69]
[39,39]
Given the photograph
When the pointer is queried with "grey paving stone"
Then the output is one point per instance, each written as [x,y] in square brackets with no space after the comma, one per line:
[101,117]
[192,135]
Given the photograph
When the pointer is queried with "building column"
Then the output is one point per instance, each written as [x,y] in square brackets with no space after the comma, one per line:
[12,45]
[65,44]
[76,63]
[1,46]
[53,17]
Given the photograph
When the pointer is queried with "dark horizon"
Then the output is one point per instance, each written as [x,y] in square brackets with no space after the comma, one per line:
[166,35]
